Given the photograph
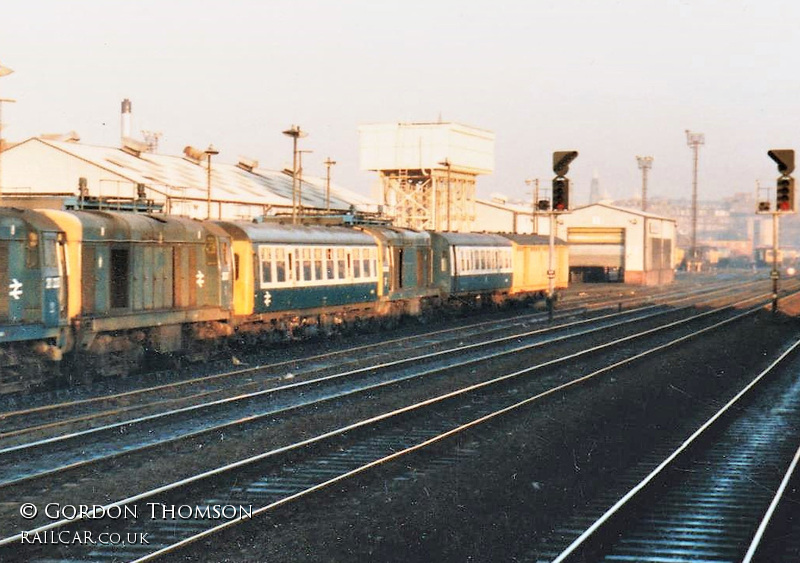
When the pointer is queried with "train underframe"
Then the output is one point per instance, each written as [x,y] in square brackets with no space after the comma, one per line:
[118,353]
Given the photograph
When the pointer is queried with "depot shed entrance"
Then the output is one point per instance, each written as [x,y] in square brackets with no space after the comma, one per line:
[608,244]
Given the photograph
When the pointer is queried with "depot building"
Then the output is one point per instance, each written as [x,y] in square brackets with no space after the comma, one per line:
[608,243]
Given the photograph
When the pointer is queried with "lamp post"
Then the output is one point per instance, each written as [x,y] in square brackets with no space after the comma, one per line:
[300,181]
[448,166]
[328,163]
[210,151]
[694,140]
[295,133]
[4,71]
[645,164]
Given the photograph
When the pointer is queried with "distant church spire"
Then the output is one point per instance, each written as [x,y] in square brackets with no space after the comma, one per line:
[594,191]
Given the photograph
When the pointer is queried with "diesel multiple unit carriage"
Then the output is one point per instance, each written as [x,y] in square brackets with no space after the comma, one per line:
[100,290]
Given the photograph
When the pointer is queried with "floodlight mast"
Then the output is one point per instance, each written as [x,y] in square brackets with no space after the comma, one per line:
[695,141]
[295,133]
[645,164]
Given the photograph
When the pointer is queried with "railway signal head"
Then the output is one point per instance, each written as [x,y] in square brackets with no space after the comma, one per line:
[785,199]
[543,205]
[784,158]
[561,160]
[560,194]
[763,207]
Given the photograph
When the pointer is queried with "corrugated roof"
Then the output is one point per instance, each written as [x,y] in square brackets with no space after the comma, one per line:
[177,176]
[638,212]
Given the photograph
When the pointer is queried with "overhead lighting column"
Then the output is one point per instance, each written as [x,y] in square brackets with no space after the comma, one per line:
[210,151]
[694,140]
[645,164]
[300,181]
[328,163]
[295,133]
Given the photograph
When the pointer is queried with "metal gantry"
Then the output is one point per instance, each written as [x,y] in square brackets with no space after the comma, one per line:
[425,198]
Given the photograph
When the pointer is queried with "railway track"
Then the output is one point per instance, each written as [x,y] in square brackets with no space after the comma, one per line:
[346,451]
[712,498]
[47,420]
[47,457]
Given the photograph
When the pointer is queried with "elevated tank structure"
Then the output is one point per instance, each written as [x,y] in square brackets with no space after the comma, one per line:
[428,171]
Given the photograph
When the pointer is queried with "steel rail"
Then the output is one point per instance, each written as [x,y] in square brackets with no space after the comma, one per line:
[6,416]
[151,441]
[417,406]
[626,500]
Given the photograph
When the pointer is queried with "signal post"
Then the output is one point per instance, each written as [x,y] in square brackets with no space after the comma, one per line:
[784,204]
[559,204]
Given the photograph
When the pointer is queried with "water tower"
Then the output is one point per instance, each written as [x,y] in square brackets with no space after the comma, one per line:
[428,171]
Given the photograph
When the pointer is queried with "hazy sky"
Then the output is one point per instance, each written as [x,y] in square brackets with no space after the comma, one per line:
[609,79]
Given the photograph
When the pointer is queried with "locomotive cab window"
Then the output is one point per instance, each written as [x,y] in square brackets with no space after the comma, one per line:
[32,252]
[211,250]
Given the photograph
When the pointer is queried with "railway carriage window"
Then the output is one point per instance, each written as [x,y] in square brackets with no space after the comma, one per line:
[211,250]
[306,264]
[443,261]
[356,262]
[318,264]
[365,259]
[266,264]
[236,267]
[341,265]
[373,252]
[280,265]
[329,263]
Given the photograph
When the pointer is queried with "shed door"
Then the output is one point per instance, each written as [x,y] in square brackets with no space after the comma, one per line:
[596,247]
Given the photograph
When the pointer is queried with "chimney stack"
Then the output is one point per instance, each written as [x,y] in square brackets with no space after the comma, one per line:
[126,119]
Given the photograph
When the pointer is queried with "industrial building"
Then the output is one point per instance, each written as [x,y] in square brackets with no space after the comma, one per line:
[609,243]
[66,173]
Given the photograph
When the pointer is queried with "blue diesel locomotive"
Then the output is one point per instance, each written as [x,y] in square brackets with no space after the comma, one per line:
[100,289]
